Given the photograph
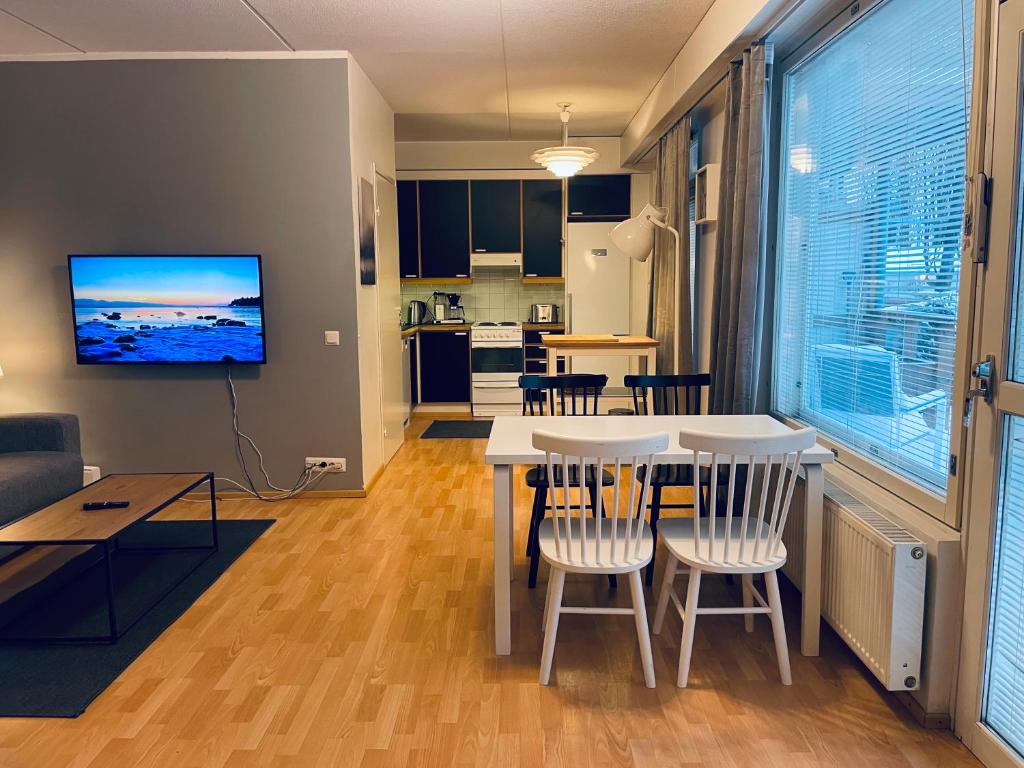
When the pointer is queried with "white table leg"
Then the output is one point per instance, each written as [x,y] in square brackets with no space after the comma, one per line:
[552,361]
[502,559]
[511,524]
[813,501]
[652,359]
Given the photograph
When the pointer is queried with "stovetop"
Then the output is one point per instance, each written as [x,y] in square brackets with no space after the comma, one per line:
[492,324]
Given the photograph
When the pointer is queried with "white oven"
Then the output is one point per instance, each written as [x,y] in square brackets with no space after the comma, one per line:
[496,354]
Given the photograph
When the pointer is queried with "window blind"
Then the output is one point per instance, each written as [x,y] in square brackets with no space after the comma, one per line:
[871,202]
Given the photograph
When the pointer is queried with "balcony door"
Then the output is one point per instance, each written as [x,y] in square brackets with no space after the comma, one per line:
[990,697]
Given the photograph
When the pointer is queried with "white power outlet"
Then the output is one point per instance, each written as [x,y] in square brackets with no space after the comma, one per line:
[325,463]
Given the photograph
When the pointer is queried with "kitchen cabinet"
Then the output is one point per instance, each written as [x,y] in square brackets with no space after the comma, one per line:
[599,197]
[535,354]
[444,229]
[496,216]
[412,343]
[542,228]
[408,230]
[444,366]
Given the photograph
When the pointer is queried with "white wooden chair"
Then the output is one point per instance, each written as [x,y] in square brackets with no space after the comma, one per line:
[613,539]
[745,540]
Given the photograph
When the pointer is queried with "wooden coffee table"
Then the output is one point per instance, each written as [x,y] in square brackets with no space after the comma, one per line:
[65,523]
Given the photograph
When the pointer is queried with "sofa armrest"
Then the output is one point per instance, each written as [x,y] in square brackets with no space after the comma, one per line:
[40,432]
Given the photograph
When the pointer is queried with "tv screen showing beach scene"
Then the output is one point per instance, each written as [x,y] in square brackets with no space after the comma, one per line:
[167,309]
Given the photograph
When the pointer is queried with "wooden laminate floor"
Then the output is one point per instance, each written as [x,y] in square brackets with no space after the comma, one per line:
[359,633]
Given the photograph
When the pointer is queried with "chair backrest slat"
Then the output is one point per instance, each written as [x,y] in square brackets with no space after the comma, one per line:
[768,467]
[670,395]
[576,394]
[619,540]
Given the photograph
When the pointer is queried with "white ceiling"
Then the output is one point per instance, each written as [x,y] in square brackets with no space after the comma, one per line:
[451,69]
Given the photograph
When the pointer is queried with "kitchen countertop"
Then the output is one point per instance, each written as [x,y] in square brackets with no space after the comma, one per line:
[412,330]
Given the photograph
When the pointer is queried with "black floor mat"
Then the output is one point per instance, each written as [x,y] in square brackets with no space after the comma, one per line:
[448,429]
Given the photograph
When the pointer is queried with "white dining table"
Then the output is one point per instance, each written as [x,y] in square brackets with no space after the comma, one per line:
[511,444]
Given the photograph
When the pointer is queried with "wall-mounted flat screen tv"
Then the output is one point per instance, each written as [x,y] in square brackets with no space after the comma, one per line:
[167,309]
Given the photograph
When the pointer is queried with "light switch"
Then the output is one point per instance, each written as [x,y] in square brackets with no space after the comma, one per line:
[332,338]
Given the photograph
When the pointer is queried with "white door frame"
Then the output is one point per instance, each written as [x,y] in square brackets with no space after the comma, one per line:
[995,305]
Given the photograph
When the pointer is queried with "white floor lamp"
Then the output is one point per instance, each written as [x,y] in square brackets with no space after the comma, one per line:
[635,238]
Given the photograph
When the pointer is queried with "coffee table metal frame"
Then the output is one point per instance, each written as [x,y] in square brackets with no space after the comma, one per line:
[109,546]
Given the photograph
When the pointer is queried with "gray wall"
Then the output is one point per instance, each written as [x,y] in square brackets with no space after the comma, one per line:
[183,157]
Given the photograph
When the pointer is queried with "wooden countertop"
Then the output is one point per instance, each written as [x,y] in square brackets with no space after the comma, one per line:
[443,327]
[435,328]
[598,341]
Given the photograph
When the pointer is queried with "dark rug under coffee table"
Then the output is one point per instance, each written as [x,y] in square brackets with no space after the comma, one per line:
[61,680]
[457,429]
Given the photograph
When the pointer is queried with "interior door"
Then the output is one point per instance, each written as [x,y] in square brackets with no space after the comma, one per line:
[990,719]
[389,305]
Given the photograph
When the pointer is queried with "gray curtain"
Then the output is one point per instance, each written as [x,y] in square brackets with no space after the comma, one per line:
[670,320]
[738,310]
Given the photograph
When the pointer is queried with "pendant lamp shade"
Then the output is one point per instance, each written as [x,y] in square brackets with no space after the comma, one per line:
[565,160]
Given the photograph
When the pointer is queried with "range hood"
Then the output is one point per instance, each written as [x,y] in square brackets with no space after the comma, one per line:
[479,261]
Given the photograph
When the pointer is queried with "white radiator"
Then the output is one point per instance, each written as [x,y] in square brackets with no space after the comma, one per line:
[873,585]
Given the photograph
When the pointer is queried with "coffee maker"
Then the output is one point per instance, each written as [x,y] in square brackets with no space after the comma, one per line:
[447,307]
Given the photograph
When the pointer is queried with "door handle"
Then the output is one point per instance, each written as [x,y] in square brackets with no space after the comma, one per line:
[983,373]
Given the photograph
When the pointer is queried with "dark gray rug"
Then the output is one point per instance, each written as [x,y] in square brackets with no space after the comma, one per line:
[449,429]
[61,680]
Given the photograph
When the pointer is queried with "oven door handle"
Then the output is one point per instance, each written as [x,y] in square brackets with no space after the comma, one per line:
[497,345]
[495,385]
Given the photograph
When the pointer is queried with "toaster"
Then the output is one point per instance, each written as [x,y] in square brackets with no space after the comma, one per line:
[543,313]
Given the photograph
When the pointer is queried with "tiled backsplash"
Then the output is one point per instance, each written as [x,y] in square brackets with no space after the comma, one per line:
[494,295]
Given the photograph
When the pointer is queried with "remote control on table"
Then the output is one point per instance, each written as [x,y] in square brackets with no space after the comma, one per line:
[92,506]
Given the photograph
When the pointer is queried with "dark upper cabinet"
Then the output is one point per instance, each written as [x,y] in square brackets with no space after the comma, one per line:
[408,230]
[444,228]
[542,228]
[444,366]
[495,215]
[599,197]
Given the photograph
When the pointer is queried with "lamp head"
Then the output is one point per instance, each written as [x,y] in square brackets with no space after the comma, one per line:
[635,237]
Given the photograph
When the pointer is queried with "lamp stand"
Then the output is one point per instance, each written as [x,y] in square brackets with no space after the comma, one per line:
[675,281]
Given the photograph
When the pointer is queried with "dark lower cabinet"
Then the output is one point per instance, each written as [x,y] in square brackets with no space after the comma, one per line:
[542,228]
[414,371]
[444,366]
[408,230]
[444,228]
[600,197]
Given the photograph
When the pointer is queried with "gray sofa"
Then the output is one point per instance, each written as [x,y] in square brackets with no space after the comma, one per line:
[40,461]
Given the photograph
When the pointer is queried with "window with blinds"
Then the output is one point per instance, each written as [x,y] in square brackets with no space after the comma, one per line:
[871,200]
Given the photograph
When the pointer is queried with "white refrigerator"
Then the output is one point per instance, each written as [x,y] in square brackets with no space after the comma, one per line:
[597,291]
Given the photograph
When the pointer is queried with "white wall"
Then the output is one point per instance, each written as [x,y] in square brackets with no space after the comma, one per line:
[372,141]
[498,156]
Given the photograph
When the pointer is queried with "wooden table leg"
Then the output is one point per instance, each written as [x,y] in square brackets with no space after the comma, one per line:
[652,360]
[502,559]
[552,361]
[813,510]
